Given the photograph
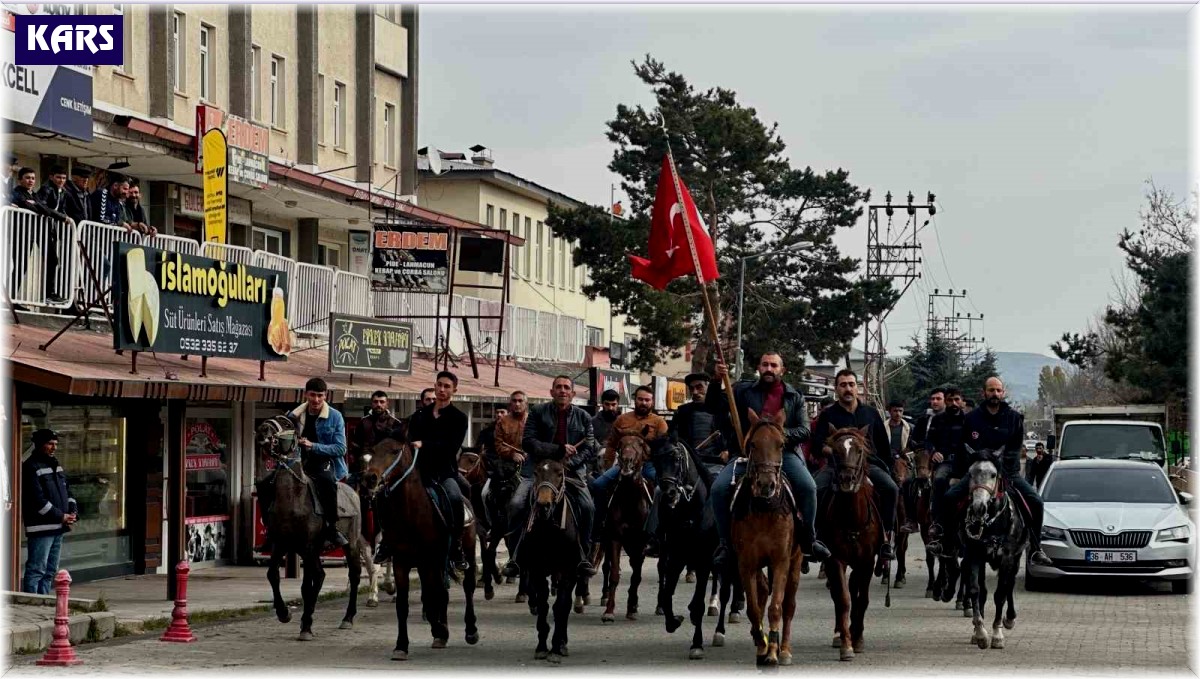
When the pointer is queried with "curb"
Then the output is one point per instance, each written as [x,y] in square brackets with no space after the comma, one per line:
[30,638]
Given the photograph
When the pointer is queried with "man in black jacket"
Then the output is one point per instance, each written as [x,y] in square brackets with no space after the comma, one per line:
[438,431]
[53,195]
[77,206]
[610,409]
[1035,469]
[917,441]
[24,197]
[995,426]
[766,396]
[848,411]
[556,431]
[47,509]
[698,429]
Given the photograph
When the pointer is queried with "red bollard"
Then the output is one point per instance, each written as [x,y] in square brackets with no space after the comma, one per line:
[179,630]
[60,652]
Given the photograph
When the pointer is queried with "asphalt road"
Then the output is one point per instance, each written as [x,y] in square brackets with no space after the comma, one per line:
[1096,627]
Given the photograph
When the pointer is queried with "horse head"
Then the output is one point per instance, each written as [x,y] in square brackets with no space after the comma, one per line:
[987,497]
[473,467]
[676,474]
[632,453]
[923,465]
[275,437]
[550,482]
[764,446]
[850,450]
[378,465]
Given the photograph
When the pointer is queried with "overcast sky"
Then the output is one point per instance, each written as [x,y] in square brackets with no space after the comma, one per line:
[1035,127]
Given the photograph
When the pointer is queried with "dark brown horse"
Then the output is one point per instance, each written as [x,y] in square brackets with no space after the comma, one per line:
[418,540]
[764,537]
[849,522]
[474,468]
[901,470]
[550,547]
[625,526]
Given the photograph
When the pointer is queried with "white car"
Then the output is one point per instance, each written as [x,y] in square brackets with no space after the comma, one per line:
[1114,518]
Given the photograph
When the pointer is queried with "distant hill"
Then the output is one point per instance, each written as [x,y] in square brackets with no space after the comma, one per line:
[1020,371]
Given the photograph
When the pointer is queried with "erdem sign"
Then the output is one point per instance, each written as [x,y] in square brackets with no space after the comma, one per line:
[65,40]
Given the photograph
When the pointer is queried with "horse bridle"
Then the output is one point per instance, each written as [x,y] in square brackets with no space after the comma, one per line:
[860,470]
[994,491]
[473,467]
[685,491]
[773,468]
[283,457]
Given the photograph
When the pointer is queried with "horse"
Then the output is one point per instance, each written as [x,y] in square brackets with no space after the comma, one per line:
[689,540]
[625,526]
[418,539]
[295,527]
[496,496]
[764,535]
[993,534]
[550,550]
[474,468]
[901,471]
[850,523]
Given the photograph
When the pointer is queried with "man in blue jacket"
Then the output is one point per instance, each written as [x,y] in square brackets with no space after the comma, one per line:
[47,509]
[322,440]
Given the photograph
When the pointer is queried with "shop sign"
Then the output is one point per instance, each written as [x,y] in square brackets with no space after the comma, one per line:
[52,98]
[677,394]
[410,258]
[367,344]
[603,380]
[249,145]
[183,304]
[216,186]
[196,463]
[360,252]
[191,204]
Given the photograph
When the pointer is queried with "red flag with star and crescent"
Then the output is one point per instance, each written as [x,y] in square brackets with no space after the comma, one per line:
[670,256]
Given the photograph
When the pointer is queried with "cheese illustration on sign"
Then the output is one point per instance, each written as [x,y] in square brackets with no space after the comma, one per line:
[279,335]
[143,296]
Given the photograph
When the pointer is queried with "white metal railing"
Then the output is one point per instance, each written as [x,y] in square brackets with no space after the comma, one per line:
[570,339]
[524,333]
[184,246]
[353,294]
[313,294]
[40,259]
[235,254]
[97,240]
[401,305]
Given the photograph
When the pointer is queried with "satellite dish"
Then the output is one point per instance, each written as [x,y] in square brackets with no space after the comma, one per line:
[435,159]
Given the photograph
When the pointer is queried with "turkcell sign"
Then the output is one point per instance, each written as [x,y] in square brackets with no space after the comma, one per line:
[46,40]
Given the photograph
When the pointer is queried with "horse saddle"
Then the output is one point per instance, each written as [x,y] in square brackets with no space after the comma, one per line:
[441,506]
[347,501]
[737,506]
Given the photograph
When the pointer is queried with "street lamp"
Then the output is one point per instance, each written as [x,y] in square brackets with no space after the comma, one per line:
[798,247]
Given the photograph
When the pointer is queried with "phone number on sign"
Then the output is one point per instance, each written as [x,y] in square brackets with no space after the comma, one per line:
[209,347]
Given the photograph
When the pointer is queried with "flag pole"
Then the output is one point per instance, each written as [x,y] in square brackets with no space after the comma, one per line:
[708,307]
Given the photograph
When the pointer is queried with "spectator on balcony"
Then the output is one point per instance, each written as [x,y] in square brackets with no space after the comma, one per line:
[108,204]
[77,206]
[53,195]
[9,182]
[137,213]
[24,197]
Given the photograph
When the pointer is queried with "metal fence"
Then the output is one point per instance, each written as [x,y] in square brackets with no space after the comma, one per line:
[97,240]
[235,254]
[40,260]
[353,294]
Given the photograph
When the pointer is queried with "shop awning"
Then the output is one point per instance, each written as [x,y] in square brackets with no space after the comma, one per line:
[83,363]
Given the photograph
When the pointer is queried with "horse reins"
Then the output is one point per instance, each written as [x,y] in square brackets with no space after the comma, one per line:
[773,468]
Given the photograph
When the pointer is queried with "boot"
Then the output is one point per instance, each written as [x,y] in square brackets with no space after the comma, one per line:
[886,551]
[721,557]
[383,552]
[511,569]
[586,569]
[333,536]
[457,561]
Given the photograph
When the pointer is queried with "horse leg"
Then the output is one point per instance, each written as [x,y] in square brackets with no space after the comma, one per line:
[789,607]
[901,552]
[433,591]
[739,602]
[389,578]
[714,598]
[367,561]
[354,553]
[930,584]
[1010,620]
[1001,598]
[487,558]
[696,612]
[562,614]
[582,596]
[540,596]
[281,609]
[314,576]
[472,633]
[749,576]
[860,596]
[401,650]
[635,580]
[662,579]
[839,590]
[779,575]
[613,562]
[671,566]
[974,587]
[522,590]
[725,581]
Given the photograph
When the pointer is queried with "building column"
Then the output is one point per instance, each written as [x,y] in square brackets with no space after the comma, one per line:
[176,536]
[307,63]
[408,104]
[161,86]
[240,87]
[308,232]
[160,206]
[364,89]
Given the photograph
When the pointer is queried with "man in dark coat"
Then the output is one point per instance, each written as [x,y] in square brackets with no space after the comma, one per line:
[77,205]
[48,510]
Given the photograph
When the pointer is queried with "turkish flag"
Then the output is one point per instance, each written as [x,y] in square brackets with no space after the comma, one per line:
[670,257]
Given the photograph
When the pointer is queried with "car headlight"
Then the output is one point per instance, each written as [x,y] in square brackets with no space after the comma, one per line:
[1178,533]
[1052,533]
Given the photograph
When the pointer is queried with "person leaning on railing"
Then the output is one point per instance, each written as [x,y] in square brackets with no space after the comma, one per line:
[111,206]
[24,197]
[137,213]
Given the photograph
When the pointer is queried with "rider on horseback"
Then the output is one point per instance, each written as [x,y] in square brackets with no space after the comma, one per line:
[901,438]
[610,409]
[996,426]
[918,440]
[848,411]
[766,396]
[644,423]
[556,431]
[945,442]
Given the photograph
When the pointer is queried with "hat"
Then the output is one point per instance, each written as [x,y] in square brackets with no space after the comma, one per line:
[695,377]
[80,171]
[42,436]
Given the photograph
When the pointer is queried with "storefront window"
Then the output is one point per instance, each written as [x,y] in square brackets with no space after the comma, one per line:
[207,463]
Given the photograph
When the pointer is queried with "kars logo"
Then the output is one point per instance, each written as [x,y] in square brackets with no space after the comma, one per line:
[68,40]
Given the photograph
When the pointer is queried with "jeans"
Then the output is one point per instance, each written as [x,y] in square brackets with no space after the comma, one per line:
[941,482]
[326,486]
[885,489]
[803,488]
[450,484]
[42,563]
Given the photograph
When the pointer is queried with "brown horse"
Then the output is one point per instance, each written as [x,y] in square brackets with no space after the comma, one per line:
[474,468]
[849,522]
[764,536]
[625,526]
[901,471]
[418,540]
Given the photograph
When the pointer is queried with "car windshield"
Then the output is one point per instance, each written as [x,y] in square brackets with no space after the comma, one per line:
[1148,485]
[1111,442]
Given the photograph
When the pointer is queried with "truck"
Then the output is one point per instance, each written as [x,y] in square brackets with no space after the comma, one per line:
[1122,432]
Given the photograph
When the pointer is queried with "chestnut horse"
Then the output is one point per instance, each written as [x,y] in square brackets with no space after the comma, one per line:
[902,469]
[474,468]
[849,522]
[625,526]
[419,541]
[764,536]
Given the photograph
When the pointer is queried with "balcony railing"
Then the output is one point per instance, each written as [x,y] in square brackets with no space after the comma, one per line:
[45,265]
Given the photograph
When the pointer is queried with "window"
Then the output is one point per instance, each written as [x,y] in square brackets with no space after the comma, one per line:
[595,337]
[126,14]
[387,12]
[530,246]
[278,90]
[562,262]
[538,248]
[552,250]
[339,115]
[329,255]
[514,258]
[490,220]
[177,65]
[268,240]
[206,79]
[389,136]
[320,108]
[255,85]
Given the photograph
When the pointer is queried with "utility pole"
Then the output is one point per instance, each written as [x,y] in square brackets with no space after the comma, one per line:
[892,256]
[969,343]
[945,326]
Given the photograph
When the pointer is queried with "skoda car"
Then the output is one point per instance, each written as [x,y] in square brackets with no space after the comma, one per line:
[1114,518]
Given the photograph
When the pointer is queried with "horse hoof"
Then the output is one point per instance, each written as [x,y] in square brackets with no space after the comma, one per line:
[929,594]
[690,578]
[509,580]
[438,643]
[472,639]
[520,599]
[899,583]
[696,654]
[554,658]
[785,658]
[346,624]
[837,641]
[997,642]
[712,611]
[958,605]
[372,603]
[735,618]
[563,652]
[674,623]
[631,616]
[306,635]
[846,654]
[579,608]
[760,660]
[947,596]
[540,655]
[399,655]
[1010,623]
[981,642]
[488,594]
[587,600]
[804,567]
[284,617]
[607,618]
[389,588]
[967,612]
[718,639]
[858,646]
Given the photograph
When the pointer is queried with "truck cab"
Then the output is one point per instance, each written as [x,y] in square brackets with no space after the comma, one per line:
[1110,433]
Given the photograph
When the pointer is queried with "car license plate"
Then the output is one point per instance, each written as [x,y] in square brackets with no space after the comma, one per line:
[1108,556]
